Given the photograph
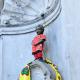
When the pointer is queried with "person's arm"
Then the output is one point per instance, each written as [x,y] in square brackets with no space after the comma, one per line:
[40,42]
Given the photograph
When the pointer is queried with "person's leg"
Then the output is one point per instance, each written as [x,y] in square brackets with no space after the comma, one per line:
[52,73]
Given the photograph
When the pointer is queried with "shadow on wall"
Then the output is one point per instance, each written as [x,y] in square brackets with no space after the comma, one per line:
[1,4]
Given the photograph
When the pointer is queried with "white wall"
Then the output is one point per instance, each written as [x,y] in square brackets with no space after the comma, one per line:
[0,57]
[71,23]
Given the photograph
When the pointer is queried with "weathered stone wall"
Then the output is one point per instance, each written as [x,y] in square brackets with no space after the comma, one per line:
[63,38]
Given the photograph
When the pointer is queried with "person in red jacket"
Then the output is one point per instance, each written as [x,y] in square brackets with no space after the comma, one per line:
[38,43]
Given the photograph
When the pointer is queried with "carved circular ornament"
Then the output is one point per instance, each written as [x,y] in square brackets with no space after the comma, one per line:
[22,16]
